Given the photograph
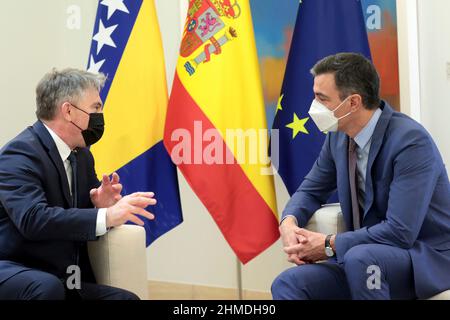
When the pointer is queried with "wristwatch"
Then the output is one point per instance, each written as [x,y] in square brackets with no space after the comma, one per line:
[328,249]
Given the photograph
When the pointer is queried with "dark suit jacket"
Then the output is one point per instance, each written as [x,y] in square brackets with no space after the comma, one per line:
[38,227]
[407,197]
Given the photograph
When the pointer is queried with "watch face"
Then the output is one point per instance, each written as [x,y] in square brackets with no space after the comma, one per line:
[329,252]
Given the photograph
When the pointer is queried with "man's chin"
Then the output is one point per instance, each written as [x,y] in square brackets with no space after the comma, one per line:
[81,145]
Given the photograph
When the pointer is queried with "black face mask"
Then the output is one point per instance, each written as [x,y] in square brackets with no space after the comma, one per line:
[95,128]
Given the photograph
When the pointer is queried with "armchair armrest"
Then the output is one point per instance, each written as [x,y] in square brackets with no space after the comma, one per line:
[119,259]
[327,220]
[441,296]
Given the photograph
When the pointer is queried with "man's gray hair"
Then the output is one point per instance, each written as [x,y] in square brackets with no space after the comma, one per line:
[59,86]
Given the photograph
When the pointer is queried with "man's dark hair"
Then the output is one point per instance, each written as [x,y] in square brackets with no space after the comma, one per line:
[353,74]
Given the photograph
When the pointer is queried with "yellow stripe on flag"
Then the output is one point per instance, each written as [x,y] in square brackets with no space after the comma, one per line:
[135,108]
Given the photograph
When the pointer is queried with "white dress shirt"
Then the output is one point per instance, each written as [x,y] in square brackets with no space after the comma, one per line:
[64,151]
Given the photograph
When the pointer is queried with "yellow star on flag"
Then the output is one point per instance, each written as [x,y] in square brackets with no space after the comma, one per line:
[298,125]
[279,106]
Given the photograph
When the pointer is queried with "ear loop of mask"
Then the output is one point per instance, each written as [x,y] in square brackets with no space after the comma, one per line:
[74,122]
[341,106]
[79,109]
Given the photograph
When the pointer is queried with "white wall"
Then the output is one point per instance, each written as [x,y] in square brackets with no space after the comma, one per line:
[424,60]
[434,52]
[409,67]
[34,38]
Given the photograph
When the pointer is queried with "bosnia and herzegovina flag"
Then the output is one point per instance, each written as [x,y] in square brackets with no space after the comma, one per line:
[127,47]
[216,103]
[323,28]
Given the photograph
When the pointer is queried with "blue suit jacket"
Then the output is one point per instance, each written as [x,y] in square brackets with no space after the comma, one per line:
[407,197]
[38,227]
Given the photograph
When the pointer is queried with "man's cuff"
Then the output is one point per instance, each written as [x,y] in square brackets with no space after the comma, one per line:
[289,215]
[101,222]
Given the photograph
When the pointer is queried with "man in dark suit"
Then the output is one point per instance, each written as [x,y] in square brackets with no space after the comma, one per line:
[51,201]
[394,193]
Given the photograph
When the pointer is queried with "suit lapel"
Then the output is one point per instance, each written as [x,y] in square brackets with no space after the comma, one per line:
[377,141]
[54,155]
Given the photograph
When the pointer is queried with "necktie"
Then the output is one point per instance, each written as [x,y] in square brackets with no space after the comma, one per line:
[353,188]
[73,162]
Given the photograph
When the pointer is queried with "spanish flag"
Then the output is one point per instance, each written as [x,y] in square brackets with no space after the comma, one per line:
[126,46]
[216,127]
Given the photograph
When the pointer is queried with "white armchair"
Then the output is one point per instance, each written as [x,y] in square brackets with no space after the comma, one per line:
[329,220]
[119,259]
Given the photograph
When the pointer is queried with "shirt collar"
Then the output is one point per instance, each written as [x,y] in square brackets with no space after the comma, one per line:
[364,136]
[63,149]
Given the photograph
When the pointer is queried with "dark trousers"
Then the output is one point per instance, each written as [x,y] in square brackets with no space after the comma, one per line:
[369,271]
[31,284]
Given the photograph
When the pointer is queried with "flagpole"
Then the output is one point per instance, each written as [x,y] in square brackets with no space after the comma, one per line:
[239,278]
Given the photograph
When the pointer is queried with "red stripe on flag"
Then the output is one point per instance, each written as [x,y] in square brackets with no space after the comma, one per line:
[246,221]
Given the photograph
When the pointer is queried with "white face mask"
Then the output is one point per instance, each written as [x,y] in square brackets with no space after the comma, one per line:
[324,118]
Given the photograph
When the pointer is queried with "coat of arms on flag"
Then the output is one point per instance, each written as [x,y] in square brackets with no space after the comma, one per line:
[208,26]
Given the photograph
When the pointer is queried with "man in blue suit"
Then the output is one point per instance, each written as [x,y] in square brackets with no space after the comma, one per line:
[51,201]
[393,190]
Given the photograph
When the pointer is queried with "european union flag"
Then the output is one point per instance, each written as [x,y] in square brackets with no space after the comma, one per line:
[323,28]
